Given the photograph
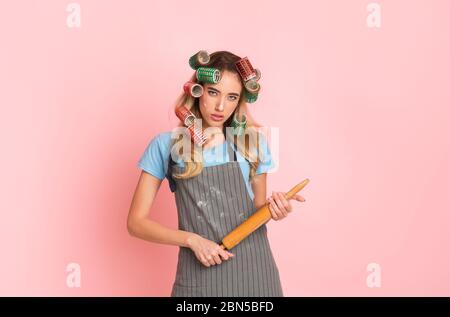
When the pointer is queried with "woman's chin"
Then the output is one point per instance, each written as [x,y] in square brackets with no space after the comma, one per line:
[214,124]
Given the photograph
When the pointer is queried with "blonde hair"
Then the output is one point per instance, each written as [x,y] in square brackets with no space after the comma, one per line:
[247,145]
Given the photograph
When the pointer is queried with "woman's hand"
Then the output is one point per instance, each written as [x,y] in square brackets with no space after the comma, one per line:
[279,206]
[206,251]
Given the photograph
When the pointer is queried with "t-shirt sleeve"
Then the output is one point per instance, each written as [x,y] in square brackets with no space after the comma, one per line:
[154,160]
[266,161]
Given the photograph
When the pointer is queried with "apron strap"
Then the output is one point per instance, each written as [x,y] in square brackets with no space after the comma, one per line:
[231,151]
[172,184]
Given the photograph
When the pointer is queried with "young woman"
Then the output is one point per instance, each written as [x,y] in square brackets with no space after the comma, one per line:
[213,194]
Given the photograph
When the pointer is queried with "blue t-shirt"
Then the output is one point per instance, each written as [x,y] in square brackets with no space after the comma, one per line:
[155,158]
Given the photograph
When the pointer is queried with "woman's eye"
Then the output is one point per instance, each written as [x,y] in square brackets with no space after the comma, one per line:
[212,93]
[233,98]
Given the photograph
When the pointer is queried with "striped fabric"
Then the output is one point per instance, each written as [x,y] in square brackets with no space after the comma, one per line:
[212,204]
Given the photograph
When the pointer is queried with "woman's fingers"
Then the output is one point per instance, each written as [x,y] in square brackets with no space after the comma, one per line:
[283,203]
[210,253]
[279,206]
[272,212]
[210,259]
[299,198]
[225,254]
[217,259]
[202,259]
[276,212]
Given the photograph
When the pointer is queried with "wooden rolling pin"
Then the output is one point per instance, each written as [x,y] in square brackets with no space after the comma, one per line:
[260,217]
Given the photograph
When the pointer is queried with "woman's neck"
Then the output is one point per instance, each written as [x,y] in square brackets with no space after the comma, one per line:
[215,136]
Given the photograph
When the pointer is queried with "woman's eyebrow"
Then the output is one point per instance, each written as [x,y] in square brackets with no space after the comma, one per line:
[217,90]
[231,93]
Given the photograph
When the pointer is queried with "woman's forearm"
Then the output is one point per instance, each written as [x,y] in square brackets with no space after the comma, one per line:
[154,232]
[258,203]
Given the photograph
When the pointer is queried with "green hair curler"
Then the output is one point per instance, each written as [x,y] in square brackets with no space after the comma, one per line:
[251,91]
[238,127]
[199,59]
[208,75]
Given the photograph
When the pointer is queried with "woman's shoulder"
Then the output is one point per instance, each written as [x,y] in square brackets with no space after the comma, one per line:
[160,143]
[163,137]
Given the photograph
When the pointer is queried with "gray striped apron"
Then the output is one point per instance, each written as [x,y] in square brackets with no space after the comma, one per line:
[212,204]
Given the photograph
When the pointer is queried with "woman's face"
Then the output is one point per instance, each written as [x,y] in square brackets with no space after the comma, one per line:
[220,100]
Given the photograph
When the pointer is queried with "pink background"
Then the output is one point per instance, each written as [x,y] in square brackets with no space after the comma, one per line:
[363,112]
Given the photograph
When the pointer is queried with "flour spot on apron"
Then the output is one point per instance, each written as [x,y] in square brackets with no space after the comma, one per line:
[202,204]
[215,191]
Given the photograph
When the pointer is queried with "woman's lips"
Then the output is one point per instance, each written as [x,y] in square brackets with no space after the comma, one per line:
[216,118]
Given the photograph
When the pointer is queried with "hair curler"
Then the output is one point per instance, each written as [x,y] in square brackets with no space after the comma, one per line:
[238,127]
[245,69]
[193,89]
[199,59]
[208,75]
[251,91]
[188,119]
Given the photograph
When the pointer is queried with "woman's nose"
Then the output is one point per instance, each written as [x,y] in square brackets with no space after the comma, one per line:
[220,106]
